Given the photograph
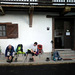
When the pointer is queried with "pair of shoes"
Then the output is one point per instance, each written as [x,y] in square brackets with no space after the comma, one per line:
[9,61]
[47,59]
[31,60]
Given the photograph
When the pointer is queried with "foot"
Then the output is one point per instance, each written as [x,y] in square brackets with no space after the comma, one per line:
[31,60]
[9,61]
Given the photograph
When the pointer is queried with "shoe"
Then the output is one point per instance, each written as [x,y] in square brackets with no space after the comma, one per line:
[15,59]
[47,59]
[9,61]
[31,60]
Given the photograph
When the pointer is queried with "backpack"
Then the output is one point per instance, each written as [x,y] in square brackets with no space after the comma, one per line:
[56,56]
[20,47]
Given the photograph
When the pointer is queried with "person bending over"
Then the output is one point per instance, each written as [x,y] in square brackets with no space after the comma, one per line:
[9,53]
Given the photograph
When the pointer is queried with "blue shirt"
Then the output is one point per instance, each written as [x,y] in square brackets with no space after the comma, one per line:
[8,50]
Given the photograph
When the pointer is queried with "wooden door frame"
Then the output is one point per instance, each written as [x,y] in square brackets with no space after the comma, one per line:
[53,27]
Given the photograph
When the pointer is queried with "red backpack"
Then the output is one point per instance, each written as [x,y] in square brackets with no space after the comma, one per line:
[39,48]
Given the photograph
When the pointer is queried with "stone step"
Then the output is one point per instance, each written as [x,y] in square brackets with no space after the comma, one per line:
[68,58]
[63,49]
[67,54]
[66,51]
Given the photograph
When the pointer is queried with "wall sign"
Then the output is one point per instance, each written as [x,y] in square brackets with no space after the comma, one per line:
[68,33]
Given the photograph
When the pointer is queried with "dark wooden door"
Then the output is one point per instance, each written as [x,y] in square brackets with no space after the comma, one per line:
[58,42]
[67,34]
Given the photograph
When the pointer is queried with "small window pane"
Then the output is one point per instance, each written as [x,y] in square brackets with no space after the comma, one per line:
[4,33]
[0,27]
[3,27]
[0,33]
[2,30]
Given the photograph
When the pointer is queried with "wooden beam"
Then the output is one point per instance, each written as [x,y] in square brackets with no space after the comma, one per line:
[50,16]
[43,6]
[2,10]
[30,16]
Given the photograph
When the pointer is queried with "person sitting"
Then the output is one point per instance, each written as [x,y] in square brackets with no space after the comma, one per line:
[9,53]
[33,50]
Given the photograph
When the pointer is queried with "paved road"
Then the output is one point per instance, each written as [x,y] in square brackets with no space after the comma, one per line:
[50,69]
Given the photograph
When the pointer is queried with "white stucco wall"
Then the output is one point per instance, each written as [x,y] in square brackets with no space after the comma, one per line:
[38,32]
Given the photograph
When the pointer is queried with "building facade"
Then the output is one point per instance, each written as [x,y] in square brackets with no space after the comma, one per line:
[48,22]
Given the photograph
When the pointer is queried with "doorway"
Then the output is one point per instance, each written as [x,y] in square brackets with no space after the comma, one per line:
[63,33]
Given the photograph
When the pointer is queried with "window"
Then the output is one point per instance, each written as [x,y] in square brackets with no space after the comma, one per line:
[2,30]
[8,30]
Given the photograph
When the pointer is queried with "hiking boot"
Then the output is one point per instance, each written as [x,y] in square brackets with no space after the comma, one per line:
[9,61]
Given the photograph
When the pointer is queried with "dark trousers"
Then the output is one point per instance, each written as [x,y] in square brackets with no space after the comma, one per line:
[29,52]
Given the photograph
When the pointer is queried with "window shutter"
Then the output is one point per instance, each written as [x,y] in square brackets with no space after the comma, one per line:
[12,30]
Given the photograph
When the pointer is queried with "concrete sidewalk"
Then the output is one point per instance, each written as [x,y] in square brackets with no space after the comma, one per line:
[39,60]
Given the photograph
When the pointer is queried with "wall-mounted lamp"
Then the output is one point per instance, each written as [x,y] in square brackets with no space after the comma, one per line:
[48,28]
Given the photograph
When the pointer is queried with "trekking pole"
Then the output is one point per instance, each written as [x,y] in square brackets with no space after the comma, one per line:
[25,58]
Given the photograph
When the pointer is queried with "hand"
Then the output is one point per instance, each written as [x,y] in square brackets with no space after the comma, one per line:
[32,51]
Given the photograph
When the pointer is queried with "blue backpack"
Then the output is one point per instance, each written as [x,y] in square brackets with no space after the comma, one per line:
[56,56]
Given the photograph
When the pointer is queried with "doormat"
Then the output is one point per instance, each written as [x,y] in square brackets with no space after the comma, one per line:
[67,59]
